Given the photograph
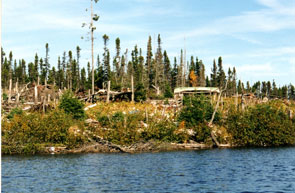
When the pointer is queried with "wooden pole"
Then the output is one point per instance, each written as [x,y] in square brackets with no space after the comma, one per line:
[92,56]
[146,115]
[17,93]
[16,87]
[48,98]
[36,94]
[132,89]
[17,98]
[44,102]
[108,92]
[10,91]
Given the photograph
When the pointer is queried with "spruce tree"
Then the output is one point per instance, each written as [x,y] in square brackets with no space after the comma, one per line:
[202,79]
[274,89]
[148,65]
[78,51]
[221,79]
[167,68]
[214,75]
[174,74]
[46,61]
[106,59]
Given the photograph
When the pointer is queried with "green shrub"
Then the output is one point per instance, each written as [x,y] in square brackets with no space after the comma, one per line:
[197,109]
[72,105]
[57,124]
[4,96]
[168,92]
[24,132]
[14,111]
[103,120]
[262,125]
[118,117]
[140,93]
[203,132]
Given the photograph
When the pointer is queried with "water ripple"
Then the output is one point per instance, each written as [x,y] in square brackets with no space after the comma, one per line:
[219,170]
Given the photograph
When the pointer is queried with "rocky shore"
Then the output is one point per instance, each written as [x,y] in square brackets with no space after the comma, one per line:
[140,147]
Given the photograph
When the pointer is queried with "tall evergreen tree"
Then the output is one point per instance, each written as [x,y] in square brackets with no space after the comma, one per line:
[221,79]
[213,75]
[202,79]
[174,74]
[46,61]
[167,68]
[78,52]
[148,65]
[106,60]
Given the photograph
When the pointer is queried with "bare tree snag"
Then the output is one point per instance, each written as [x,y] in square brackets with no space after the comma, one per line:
[17,99]
[48,98]
[157,89]
[44,103]
[36,94]
[214,113]
[16,87]
[108,92]
[10,91]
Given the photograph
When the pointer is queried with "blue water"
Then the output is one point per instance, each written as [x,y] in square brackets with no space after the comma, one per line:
[218,170]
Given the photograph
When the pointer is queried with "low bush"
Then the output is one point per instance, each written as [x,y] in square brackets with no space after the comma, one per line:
[14,111]
[72,106]
[197,109]
[24,132]
[261,125]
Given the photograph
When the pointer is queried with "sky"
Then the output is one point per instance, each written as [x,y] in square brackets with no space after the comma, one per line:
[255,36]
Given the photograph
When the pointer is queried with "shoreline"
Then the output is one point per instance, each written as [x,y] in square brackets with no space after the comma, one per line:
[107,147]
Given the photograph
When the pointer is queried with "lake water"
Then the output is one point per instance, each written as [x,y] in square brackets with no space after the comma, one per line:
[217,170]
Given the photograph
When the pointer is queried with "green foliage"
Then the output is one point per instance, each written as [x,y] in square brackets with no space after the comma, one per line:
[140,93]
[14,111]
[164,130]
[262,125]
[4,96]
[72,105]
[196,114]
[24,132]
[203,132]
[198,109]
[168,92]
[57,125]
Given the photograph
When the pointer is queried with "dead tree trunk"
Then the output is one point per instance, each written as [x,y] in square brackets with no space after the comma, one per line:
[157,89]
[36,94]
[108,92]
[10,91]
[213,115]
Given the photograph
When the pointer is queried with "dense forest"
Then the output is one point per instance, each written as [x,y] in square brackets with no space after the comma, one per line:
[151,71]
